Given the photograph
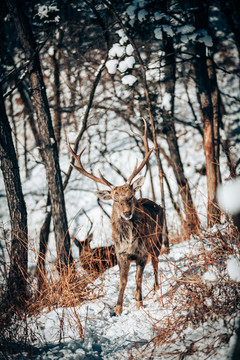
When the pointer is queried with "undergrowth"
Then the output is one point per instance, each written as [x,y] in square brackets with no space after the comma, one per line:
[193,302]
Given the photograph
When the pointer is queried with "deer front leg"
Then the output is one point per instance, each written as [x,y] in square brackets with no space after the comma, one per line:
[139,276]
[124,269]
[155,270]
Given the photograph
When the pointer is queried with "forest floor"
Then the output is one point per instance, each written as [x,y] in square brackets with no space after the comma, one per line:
[194,314]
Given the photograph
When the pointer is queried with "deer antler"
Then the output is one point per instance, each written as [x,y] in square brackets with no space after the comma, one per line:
[148,152]
[80,168]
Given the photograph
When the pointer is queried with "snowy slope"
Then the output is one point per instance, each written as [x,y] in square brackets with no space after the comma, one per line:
[137,333]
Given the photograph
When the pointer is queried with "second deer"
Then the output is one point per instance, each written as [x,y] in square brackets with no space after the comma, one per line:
[136,224]
[95,261]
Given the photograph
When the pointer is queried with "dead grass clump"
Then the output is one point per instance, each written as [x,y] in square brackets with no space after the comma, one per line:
[19,329]
[65,289]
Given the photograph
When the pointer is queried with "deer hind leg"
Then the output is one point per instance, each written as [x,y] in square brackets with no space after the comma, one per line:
[124,269]
[139,276]
[155,270]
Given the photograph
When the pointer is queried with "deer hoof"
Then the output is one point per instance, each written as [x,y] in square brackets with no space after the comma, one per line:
[118,310]
[139,305]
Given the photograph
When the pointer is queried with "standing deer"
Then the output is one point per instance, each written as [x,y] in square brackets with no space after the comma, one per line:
[136,224]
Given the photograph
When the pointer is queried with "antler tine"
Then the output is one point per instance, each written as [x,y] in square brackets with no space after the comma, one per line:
[105,181]
[148,152]
[80,168]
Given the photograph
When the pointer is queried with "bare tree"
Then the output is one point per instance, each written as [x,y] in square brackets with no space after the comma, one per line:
[192,220]
[206,105]
[17,278]
[48,145]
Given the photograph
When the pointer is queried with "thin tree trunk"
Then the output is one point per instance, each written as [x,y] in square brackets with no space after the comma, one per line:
[206,105]
[17,278]
[216,115]
[48,146]
[192,220]
[208,137]
[57,125]
[57,119]
[14,126]
[43,244]
[28,111]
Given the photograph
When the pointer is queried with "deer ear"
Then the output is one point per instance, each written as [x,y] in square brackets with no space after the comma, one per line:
[137,184]
[103,195]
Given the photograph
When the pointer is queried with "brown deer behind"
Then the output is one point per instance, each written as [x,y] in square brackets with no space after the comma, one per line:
[95,261]
[136,225]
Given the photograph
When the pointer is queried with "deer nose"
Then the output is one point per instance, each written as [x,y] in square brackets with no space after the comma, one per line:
[127,215]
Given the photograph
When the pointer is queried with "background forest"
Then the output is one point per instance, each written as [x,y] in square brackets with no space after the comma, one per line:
[89,71]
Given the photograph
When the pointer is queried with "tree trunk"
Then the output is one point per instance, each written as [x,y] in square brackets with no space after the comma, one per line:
[48,145]
[43,244]
[192,221]
[17,278]
[206,105]
[217,120]
[57,120]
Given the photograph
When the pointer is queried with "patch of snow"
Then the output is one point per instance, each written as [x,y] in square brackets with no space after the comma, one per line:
[166,101]
[117,50]
[158,16]
[228,196]
[129,80]
[129,50]
[186,29]
[209,276]
[131,10]
[123,37]
[168,30]
[205,38]
[111,66]
[158,33]
[233,268]
[127,63]
[142,14]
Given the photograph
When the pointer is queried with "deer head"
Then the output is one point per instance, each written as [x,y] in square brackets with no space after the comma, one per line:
[124,201]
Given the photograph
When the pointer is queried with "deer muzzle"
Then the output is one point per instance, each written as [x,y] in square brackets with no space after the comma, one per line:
[127,215]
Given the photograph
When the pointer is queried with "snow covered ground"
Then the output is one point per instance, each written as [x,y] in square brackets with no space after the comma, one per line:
[162,329]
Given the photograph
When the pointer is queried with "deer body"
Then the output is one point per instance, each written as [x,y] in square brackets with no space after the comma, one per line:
[137,235]
[95,261]
[136,225]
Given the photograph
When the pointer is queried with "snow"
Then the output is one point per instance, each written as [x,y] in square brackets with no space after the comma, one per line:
[129,49]
[129,80]
[131,11]
[111,66]
[185,29]
[168,30]
[45,10]
[233,268]
[116,50]
[142,14]
[158,33]
[228,196]
[209,276]
[205,38]
[126,64]
[107,337]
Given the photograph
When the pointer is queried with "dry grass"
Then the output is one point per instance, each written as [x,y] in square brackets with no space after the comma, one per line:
[194,302]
